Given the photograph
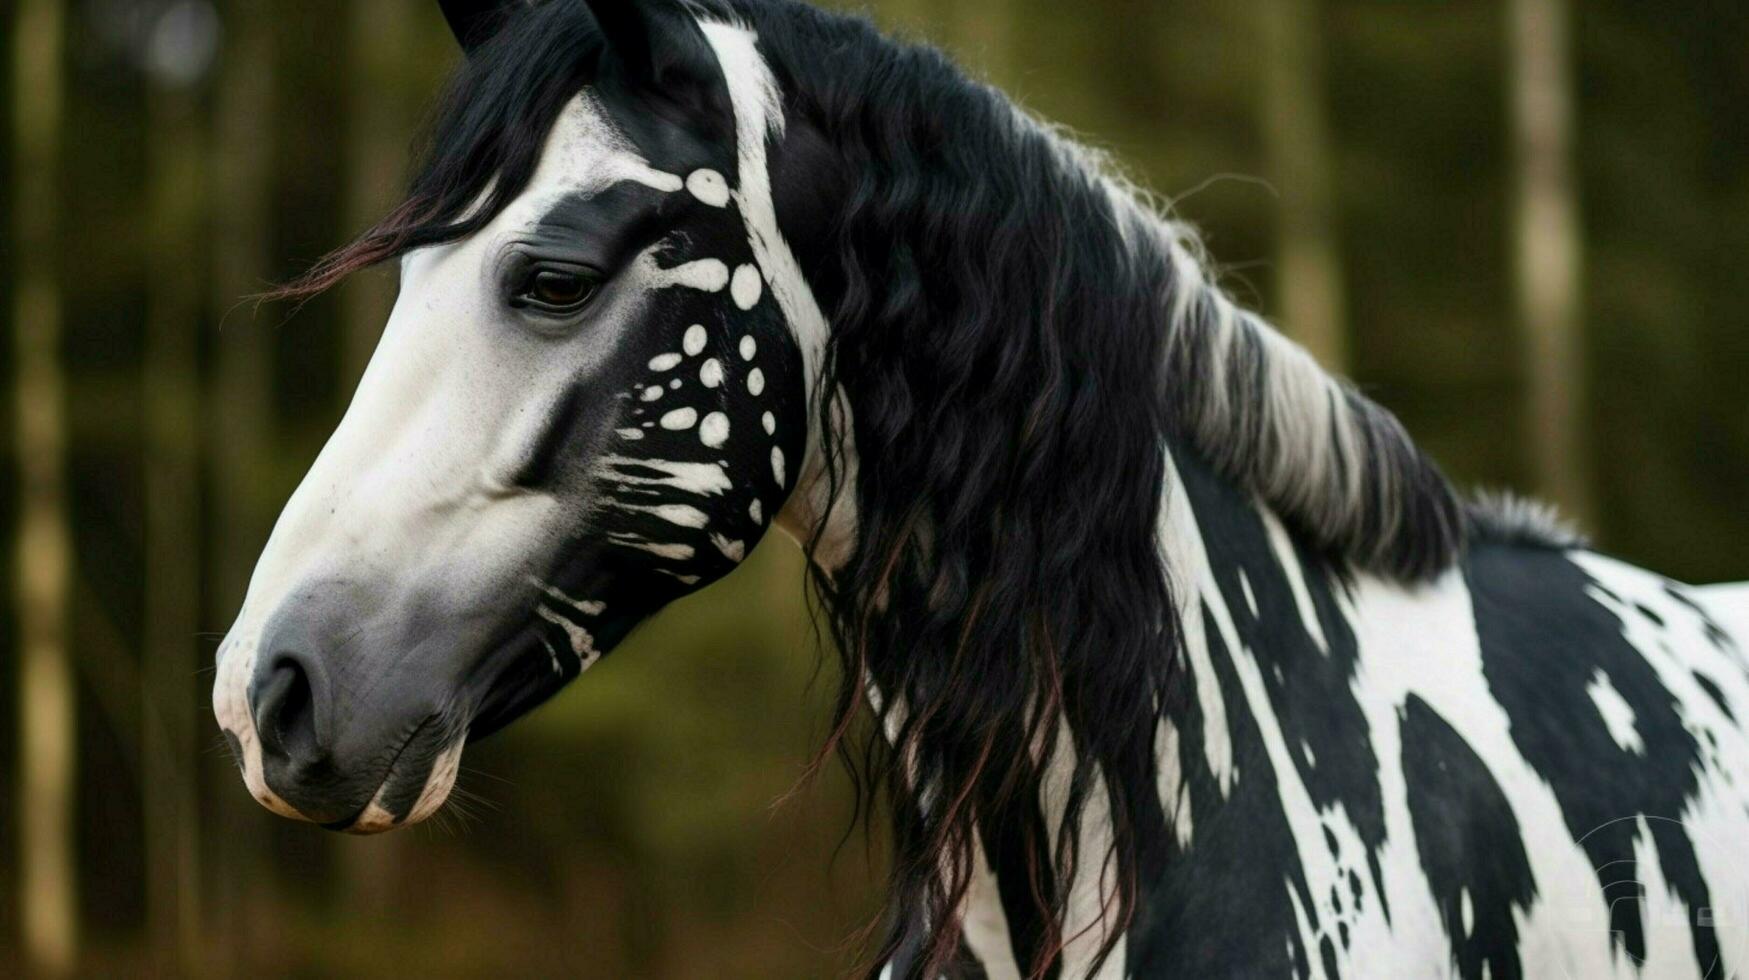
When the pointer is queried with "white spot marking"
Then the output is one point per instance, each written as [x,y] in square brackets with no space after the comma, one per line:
[714,430]
[777,465]
[710,374]
[679,514]
[582,644]
[675,552]
[756,512]
[749,347]
[747,287]
[704,479]
[756,382]
[588,607]
[632,435]
[1618,715]
[709,187]
[694,341]
[770,422]
[680,419]
[1467,909]
[652,393]
[664,362]
[704,275]
[735,551]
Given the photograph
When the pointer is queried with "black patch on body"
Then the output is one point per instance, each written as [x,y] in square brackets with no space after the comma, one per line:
[1468,840]
[1242,849]
[1543,641]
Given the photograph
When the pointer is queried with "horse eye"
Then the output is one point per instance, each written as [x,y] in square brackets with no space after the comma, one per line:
[557,290]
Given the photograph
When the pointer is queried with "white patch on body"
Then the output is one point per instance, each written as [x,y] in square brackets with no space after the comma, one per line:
[664,362]
[1618,715]
[749,347]
[680,419]
[756,382]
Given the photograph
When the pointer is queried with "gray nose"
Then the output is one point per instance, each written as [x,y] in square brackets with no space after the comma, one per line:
[332,723]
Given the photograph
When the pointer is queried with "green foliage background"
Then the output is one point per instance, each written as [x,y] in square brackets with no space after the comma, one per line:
[628,829]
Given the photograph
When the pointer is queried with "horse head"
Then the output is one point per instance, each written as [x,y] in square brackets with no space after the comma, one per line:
[589,400]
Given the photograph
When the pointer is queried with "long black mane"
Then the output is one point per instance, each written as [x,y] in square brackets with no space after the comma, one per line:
[1020,341]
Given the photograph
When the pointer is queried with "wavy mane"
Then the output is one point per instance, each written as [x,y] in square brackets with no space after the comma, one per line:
[1021,338]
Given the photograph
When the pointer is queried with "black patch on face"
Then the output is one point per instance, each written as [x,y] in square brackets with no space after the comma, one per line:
[1469,842]
[674,435]
[1544,640]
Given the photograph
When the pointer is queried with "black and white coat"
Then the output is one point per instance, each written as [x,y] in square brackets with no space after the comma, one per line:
[1384,734]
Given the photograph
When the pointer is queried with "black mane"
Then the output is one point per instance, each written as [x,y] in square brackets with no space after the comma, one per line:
[1021,341]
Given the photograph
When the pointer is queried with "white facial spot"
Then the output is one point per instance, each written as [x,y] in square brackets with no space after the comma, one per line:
[749,347]
[710,373]
[735,551]
[652,393]
[694,341]
[777,465]
[756,512]
[714,430]
[747,287]
[705,275]
[665,362]
[770,422]
[709,187]
[680,419]
[756,382]
[661,549]
[631,435]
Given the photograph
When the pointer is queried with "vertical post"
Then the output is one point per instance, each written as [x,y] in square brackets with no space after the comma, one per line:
[171,386]
[240,438]
[1549,253]
[43,559]
[1300,149]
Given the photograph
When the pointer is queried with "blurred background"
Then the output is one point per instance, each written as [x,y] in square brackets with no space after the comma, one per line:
[1521,224]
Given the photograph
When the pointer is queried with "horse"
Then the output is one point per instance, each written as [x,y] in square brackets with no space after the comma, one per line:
[1180,657]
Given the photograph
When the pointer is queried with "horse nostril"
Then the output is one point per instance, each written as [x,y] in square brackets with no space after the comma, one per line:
[285,710]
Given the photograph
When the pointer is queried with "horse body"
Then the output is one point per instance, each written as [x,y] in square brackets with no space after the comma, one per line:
[1530,766]
[1190,662]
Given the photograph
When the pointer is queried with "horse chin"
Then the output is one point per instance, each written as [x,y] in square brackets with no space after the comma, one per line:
[388,809]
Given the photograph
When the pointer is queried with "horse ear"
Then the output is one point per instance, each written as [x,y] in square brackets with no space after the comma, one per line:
[473,21]
[659,45]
